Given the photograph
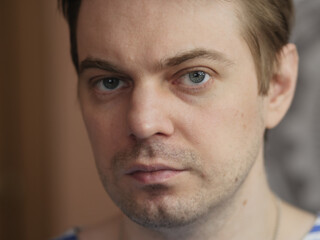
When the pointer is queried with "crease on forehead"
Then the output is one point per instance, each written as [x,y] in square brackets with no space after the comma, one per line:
[129,9]
[126,13]
[144,15]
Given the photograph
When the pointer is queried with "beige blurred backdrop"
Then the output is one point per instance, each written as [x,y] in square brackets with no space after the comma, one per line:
[48,180]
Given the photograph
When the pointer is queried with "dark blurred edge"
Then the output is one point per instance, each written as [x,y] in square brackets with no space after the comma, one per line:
[24,138]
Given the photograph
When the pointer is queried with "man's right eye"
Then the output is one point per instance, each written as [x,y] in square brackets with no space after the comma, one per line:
[109,84]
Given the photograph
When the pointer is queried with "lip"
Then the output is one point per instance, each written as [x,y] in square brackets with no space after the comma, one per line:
[152,174]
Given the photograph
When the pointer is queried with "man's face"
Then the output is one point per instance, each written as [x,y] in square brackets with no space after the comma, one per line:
[169,96]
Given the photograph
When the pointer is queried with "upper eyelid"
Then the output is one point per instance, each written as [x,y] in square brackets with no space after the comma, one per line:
[93,82]
[188,70]
[95,79]
[95,85]
[177,74]
[183,75]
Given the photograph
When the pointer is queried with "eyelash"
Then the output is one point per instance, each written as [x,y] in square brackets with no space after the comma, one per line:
[194,88]
[96,81]
[178,78]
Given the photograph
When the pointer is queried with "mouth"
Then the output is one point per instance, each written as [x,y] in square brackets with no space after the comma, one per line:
[152,174]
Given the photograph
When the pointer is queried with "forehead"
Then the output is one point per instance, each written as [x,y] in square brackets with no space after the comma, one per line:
[154,27]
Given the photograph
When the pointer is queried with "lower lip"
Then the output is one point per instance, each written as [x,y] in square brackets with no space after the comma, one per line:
[155,176]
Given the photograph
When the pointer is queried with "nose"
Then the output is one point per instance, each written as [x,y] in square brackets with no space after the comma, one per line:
[149,112]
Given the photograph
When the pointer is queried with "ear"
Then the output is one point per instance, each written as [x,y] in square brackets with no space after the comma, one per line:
[282,85]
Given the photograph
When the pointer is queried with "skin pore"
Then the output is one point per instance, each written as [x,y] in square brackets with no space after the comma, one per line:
[169,96]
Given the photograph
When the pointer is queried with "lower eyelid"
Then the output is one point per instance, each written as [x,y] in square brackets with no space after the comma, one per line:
[195,89]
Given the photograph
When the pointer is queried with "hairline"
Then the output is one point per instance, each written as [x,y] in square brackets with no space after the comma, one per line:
[264,63]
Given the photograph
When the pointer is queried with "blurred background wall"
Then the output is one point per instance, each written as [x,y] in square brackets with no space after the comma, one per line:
[293,148]
[48,181]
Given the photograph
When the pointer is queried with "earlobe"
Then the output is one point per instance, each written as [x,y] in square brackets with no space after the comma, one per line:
[282,85]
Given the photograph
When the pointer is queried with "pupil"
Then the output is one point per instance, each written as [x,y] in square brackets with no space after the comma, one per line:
[111,83]
[197,77]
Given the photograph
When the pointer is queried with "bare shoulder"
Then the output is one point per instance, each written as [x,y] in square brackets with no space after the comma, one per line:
[109,227]
[295,223]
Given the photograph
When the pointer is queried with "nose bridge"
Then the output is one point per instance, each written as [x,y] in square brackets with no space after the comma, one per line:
[148,114]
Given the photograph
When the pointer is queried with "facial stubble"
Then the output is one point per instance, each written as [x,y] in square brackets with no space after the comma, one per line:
[156,205]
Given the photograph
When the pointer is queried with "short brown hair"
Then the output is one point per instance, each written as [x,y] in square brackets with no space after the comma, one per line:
[266,29]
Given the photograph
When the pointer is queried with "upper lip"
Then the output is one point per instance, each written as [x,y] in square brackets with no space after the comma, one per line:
[149,168]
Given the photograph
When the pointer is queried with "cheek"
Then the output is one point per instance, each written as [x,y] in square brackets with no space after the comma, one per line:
[226,135]
[105,128]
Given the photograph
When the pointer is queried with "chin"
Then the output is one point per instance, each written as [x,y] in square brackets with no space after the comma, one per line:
[163,211]
[162,217]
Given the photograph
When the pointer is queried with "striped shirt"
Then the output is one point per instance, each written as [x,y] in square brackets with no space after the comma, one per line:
[314,233]
[69,235]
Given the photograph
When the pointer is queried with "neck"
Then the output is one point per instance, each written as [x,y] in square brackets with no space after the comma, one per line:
[249,214]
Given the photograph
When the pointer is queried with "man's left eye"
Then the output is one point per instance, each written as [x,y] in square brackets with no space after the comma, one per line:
[195,78]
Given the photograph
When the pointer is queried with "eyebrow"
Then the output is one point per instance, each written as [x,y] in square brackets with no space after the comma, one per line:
[197,53]
[98,63]
[168,62]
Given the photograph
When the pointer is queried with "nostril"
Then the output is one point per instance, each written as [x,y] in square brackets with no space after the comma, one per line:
[143,129]
[156,125]
[148,115]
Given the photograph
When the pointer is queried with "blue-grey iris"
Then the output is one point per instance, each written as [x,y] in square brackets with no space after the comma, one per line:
[197,76]
[111,83]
